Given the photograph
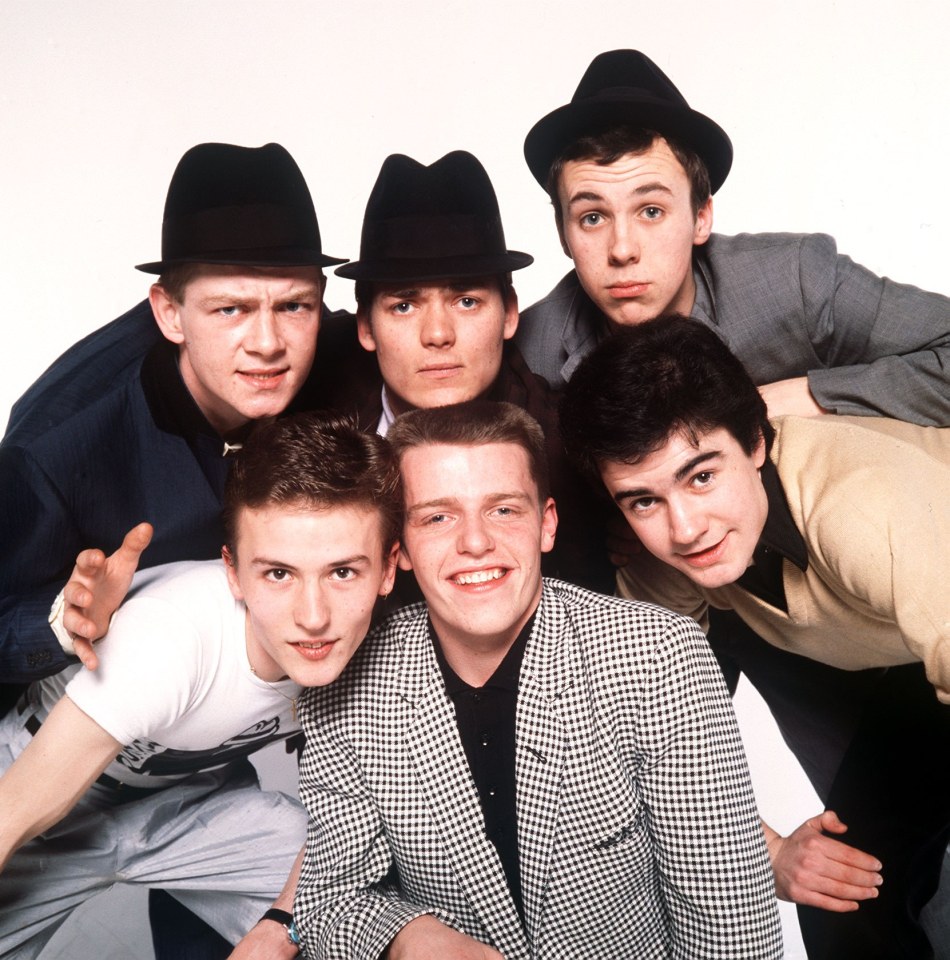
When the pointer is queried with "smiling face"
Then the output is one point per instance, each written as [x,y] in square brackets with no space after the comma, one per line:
[700,507]
[309,579]
[629,227]
[438,343]
[247,338]
[474,534]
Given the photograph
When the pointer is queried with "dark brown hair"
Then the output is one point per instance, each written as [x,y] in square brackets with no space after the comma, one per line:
[317,461]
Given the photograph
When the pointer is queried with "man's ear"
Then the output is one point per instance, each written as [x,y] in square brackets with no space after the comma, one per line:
[404,562]
[167,313]
[389,570]
[230,568]
[511,314]
[758,453]
[702,228]
[548,526]
[364,329]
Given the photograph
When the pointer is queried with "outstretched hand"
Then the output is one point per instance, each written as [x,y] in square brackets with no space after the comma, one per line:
[819,871]
[96,587]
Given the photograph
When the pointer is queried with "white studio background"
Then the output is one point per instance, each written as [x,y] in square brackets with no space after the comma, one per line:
[837,110]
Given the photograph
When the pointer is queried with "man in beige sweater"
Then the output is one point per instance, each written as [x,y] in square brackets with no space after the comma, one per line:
[827,536]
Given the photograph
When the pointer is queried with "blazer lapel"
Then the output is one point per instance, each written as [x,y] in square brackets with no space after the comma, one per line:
[433,744]
[539,765]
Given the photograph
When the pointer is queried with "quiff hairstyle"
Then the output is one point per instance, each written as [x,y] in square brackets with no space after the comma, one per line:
[646,383]
[471,424]
[607,145]
[317,462]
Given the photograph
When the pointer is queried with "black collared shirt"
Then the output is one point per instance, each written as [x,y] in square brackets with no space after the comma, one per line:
[175,411]
[780,540]
[486,723]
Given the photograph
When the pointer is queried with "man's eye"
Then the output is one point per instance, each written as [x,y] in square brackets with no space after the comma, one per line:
[703,478]
[642,505]
[231,311]
[401,308]
[468,303]
[591,219]
[436,518]
[277,575]
[652,213]
[296,307]
[343,573]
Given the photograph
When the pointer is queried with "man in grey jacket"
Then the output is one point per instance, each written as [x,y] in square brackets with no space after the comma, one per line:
[630,169]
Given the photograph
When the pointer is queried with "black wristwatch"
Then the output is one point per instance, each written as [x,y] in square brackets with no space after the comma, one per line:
[286,920]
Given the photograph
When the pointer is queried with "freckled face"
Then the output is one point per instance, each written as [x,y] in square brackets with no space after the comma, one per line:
[309,579]
[630,230]
[438,343]
[474,534]
[247,338]
[698,507]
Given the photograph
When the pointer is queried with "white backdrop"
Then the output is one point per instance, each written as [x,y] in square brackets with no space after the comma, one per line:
[837,110]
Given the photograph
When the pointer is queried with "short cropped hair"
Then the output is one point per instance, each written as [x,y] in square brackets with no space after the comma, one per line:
[609,144]
[366,290]
[475,423]
[315,461]
[646,383]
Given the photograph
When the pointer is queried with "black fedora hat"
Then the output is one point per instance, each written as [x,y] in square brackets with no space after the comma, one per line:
[626,86]
[426,223]
[247,206]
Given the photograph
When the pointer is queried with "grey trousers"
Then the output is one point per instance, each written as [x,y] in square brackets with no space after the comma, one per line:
[217,842]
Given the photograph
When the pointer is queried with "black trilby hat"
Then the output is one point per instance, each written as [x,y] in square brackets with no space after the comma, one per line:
[247,206]
[427,223]
[626,86]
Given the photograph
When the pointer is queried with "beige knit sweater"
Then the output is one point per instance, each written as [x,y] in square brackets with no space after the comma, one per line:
[872,500]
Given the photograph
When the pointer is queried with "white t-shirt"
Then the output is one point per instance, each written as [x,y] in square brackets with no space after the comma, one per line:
[174,682]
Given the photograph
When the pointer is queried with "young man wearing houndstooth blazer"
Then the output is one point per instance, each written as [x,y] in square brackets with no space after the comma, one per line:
[520,767]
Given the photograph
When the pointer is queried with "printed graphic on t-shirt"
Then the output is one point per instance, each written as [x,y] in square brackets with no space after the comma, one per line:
[154,759]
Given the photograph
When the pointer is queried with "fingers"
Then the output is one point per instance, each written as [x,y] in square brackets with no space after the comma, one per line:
[89,564]
[86,653]
[79,626]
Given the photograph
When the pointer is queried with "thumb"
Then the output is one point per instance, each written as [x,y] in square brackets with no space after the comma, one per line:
[136,540]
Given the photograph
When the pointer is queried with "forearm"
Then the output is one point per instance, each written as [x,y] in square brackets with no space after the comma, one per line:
[885,346]
[64,757]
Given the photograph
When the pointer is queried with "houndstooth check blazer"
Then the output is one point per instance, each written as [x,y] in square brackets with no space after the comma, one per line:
[637,827]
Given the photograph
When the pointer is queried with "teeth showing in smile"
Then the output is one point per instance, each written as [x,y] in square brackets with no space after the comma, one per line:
[319,645]
[480,576]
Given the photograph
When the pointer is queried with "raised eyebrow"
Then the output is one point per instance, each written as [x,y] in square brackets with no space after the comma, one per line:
[684,471]
[690,465]
[585,196]
[655,187]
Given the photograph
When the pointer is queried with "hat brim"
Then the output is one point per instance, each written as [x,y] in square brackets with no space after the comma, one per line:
[553,133]
[414,268]
[249,258]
